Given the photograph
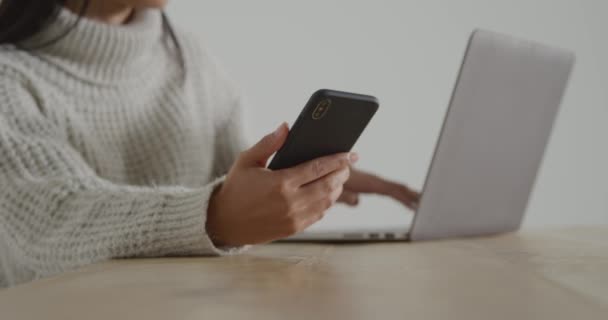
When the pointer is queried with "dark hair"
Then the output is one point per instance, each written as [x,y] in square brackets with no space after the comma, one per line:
[21,19]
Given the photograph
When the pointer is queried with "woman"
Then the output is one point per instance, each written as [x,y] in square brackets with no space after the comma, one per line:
[120,137]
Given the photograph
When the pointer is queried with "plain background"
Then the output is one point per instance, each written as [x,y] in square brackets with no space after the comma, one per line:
[407,53]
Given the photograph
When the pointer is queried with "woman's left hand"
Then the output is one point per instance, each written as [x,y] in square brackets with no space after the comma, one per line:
[361,182]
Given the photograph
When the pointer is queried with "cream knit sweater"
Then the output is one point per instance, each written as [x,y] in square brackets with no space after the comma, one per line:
[107,148]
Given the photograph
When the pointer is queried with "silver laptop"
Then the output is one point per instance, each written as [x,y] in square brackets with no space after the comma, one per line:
[491,144]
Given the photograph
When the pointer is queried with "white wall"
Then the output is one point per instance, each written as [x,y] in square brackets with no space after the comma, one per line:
[407,53]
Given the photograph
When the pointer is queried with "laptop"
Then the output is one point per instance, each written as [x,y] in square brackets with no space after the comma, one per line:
[490,147]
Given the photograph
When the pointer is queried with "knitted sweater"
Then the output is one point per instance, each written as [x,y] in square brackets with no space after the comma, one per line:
[108,148]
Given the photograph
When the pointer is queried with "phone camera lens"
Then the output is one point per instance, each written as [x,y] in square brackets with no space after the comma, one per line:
[321,109]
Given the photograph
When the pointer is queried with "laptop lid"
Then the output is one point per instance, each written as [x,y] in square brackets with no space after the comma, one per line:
[493,137]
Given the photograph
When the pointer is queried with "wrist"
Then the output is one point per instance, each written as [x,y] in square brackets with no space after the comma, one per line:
[211,223]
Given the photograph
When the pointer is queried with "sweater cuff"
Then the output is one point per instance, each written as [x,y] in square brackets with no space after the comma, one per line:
[183,219]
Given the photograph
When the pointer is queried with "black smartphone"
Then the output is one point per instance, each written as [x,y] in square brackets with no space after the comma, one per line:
[331,122]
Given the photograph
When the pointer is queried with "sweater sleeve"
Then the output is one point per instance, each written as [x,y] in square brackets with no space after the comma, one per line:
[57,214]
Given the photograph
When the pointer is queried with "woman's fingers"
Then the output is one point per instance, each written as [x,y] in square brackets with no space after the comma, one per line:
[350,198]
[363,182]
[403,194]
[326,189]
[258,155]
[320,195]
[316,169]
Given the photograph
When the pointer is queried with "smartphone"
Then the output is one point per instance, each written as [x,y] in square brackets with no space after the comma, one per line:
[331,122]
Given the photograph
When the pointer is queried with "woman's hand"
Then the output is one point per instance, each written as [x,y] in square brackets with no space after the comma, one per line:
[257,205]
[363,182]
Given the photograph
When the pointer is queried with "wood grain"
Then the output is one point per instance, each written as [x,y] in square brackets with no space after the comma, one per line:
[556,274]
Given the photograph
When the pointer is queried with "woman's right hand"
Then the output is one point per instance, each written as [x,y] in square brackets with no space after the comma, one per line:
[257,205]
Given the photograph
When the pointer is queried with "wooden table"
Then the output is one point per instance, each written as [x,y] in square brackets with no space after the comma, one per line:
[557,274]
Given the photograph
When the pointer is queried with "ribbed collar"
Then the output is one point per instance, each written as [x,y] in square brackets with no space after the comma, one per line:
[101,52]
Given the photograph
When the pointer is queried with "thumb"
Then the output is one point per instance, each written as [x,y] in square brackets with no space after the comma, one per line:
[258,154]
